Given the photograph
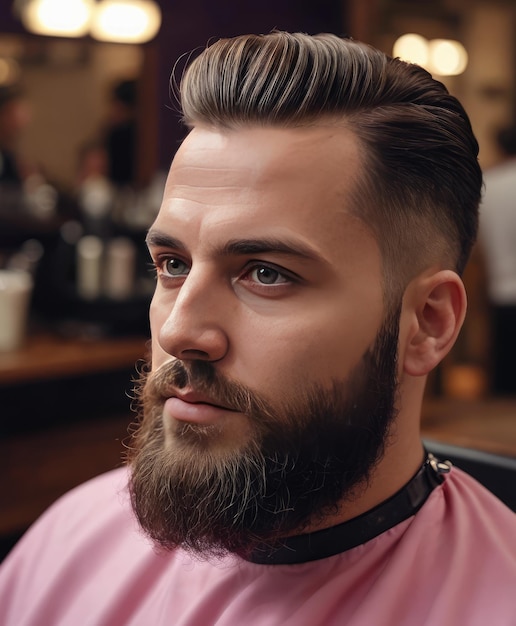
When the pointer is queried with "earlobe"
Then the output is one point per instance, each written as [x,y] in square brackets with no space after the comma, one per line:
[437,308]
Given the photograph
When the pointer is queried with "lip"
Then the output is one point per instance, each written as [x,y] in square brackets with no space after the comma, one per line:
[195,408]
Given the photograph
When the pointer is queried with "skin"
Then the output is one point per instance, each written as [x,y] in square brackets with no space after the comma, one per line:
[272,318]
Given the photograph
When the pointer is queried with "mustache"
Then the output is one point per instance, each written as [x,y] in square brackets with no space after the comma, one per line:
[202,377]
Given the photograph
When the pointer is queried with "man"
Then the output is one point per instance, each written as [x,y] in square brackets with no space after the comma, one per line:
[14,117]
[308,250]
[120,134]
[498,238]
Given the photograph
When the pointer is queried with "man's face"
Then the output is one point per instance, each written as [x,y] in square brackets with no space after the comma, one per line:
[269,300]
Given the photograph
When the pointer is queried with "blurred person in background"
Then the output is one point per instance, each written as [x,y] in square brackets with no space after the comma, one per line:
[498,244]
[14,118]
[120,134]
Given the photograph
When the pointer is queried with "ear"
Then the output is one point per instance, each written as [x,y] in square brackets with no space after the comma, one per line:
[436,306]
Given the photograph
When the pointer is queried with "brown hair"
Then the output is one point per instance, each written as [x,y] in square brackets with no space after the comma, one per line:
[421,181]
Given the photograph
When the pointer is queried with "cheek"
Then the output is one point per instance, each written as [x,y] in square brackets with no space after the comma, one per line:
[159,356]
[313,348]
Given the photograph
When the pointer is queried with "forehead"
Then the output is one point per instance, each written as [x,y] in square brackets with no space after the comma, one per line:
[266,156]
[265,181]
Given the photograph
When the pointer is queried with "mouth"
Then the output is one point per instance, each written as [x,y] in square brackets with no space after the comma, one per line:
[195,408]
[194,397]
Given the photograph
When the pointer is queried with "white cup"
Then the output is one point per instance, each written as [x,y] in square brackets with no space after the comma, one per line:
[15,292]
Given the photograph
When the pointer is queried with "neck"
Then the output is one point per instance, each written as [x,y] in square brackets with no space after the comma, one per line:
[402,458]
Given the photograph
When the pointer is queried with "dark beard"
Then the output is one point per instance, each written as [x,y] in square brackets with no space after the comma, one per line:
[302,460]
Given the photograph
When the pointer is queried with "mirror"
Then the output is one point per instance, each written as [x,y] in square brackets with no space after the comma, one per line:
[68,85]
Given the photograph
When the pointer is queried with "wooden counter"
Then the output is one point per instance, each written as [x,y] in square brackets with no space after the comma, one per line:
[46,356]
[487,424]
[45,458]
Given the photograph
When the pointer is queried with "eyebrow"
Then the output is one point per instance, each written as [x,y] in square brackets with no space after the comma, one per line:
[158,239]
[241,247]
[261,245]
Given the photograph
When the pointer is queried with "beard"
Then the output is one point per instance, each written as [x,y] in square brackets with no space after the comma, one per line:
[301,460]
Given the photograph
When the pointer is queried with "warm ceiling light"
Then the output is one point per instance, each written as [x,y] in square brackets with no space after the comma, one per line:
[64,18]
[126,21]
[412,48]
[442,57]
[447,57]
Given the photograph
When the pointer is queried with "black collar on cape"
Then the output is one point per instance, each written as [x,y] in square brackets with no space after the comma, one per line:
[330,541]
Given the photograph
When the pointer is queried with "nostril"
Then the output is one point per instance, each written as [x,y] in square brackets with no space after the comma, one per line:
[192,354]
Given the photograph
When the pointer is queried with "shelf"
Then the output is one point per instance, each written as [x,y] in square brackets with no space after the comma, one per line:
[46,356]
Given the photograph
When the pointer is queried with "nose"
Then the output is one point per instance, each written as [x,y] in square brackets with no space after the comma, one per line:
[193,324]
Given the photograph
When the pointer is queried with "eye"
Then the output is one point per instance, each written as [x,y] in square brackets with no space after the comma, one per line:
[172,267]
[266,275]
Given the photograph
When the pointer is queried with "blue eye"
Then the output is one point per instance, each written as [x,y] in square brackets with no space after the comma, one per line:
[175,267]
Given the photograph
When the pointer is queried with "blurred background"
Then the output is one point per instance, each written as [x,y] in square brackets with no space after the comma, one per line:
[88,128]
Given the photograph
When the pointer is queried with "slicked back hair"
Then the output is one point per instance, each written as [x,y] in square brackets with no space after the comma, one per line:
[420,182]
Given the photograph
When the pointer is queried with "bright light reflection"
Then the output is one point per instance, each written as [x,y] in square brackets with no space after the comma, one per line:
[58,17]
[447,57]
[129,21]
[412,48]
[442,57]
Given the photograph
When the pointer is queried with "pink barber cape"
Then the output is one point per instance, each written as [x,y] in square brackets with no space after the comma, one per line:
[85,563]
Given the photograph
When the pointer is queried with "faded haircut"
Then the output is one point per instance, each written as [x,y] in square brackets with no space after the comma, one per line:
[420,186]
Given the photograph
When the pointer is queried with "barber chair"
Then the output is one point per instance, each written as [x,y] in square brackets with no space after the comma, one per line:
[497,473]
